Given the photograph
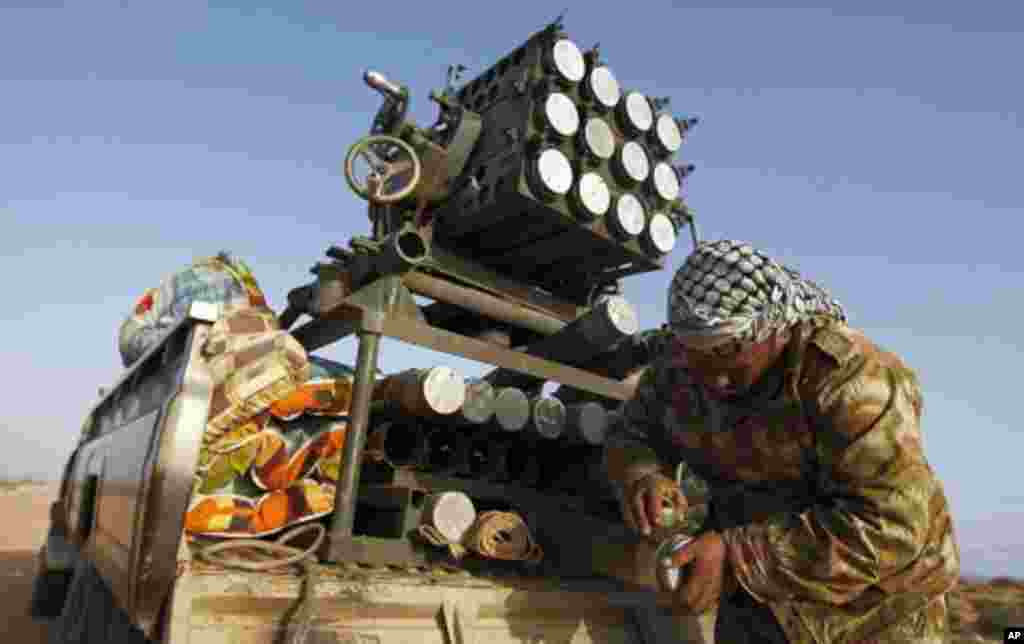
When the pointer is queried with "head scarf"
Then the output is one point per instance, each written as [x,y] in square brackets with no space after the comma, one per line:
[727,292]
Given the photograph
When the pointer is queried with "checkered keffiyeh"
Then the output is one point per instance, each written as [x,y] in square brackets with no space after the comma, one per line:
[729,292]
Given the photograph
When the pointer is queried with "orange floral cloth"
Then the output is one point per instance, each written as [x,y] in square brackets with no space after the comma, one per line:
[278,420]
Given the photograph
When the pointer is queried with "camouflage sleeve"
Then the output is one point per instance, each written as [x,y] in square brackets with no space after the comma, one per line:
[629,453]
[879,502]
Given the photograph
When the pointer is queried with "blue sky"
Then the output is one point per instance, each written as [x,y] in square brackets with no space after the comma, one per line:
[876,148]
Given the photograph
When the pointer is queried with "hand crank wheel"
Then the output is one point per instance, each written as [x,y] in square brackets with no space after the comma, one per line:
[395,169]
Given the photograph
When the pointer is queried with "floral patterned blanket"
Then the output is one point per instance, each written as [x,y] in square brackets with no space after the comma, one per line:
[278,417]
[275,465]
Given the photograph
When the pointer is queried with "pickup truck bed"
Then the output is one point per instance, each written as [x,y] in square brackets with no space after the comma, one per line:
[361,604]
[121,512]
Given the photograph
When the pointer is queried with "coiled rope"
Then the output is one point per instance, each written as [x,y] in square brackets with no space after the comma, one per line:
[494,535]
[280,556]
[505,536]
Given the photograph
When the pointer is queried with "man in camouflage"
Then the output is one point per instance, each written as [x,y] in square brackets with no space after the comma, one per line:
[826,522]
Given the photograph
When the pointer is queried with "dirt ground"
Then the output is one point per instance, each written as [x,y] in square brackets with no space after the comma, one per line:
[25,515]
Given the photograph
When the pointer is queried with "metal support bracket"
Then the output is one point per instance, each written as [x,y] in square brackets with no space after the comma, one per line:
[368,307]
[387,308]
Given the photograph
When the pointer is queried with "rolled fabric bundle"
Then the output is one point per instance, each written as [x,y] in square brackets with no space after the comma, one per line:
[504,536]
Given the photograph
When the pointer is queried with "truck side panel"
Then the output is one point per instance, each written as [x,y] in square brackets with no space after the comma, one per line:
[133,473]
[360,606]
[174,461]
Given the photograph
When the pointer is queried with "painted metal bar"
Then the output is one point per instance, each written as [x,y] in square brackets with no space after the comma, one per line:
[355,438]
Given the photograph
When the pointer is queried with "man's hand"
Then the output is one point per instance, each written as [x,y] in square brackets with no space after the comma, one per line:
[647,498]
[708,577]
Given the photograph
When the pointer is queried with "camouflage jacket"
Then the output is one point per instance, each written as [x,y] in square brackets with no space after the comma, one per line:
[818,485]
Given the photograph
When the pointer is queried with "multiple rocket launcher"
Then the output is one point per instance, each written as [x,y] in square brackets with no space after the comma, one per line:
[572,175]
[556,176]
